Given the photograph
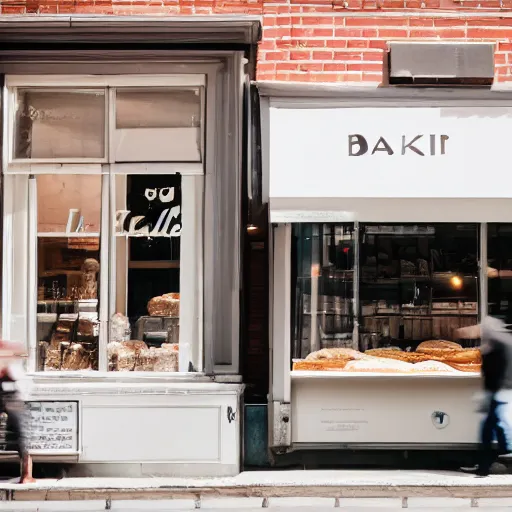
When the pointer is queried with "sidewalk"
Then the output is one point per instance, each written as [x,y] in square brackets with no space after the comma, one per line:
[268,489]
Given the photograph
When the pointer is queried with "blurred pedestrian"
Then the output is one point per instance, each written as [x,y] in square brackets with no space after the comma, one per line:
[11,403]
[496,349]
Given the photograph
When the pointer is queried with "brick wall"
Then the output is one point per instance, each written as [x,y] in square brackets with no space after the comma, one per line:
[325,40]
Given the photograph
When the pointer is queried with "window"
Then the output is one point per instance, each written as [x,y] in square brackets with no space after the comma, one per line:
[499,270]
[158,125]
[324,316]
[59,124]
[418,283]
[104,201]
[68,264]
[147,261]
[381,291]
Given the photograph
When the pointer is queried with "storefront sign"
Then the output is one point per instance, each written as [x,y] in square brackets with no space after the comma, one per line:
[421,145]
[357,153]
[54,426]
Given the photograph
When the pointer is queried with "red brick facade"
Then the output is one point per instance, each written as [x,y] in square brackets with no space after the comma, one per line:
[325,40]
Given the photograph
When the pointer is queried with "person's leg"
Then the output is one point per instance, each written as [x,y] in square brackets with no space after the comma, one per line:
[488,430]
[503,431]
[15,409]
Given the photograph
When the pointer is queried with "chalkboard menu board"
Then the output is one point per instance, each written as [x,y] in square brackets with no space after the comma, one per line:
[54,426]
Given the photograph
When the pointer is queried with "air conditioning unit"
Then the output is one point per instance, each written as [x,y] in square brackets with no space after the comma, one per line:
[441,63]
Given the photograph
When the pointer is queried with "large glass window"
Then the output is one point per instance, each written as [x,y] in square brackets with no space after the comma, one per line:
[68,265]
[499,270]
[390,298]
[105,224]
[324,287]
[147,260]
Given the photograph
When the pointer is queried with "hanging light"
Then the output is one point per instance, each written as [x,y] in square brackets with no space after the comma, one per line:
[456,282]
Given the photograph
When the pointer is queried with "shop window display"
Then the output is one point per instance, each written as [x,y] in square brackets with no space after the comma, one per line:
[145,329]
[96,199]
[412,287]
[68,264]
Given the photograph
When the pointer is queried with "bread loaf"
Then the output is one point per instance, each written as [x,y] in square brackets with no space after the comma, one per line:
[465,367]
[165,305]
[76,358]
[438,347]
[166,361]
[466,356]
[433,366]
[335,353]
[323,365]
[408,357]
[375,364]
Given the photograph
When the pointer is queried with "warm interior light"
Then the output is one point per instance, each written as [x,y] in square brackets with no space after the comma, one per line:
[456,282]
[251,228]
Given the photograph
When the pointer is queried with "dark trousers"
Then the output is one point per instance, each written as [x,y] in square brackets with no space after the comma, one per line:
[16,438]
[494,427]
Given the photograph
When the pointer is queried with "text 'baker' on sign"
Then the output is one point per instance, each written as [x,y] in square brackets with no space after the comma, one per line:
[422,145]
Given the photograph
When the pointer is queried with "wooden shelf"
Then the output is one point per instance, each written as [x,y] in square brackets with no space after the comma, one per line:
[154,264]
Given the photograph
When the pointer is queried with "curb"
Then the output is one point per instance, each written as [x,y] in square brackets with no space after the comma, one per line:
[263,496]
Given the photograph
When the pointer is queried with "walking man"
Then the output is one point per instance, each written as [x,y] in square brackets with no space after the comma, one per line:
[496,348]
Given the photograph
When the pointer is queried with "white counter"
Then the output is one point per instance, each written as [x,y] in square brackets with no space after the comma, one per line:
[384,409]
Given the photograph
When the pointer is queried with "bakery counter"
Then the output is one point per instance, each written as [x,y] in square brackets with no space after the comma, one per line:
[391,410]
[152,424]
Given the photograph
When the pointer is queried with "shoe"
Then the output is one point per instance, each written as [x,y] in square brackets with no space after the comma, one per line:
[475,470]
[505,456]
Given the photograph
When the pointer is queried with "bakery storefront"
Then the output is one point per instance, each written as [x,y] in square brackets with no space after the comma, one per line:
[122,208]
[391,215]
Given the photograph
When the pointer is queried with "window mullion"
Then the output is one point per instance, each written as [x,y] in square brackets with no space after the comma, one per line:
[104,273]
[32,343]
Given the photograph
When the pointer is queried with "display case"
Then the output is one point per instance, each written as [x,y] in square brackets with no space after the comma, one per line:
[384,297]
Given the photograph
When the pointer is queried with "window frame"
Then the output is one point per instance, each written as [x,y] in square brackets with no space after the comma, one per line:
[110,84]
[193,194]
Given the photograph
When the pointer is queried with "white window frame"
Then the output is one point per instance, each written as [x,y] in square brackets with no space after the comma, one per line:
[192,239]
[110,84]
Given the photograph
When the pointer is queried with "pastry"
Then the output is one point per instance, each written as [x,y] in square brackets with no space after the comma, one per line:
[53,359]
[465,367]
[75,357]
[433,366]
[438,347]
[409,357]
[379,365]
[335,353]
[134,345]
[165,305]
[324,365]
[166,361]
[466,356]
[145,362]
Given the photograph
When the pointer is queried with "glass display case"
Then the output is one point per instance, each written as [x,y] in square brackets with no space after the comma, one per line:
[377,293]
